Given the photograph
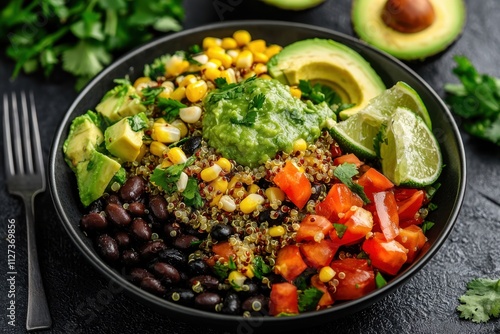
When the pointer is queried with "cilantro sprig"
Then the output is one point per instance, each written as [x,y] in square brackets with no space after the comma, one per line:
[168,177]
[251,116]
[344,173]
[309,298]
[481,301]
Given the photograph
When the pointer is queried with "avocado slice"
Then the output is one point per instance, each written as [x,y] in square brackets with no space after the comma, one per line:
[122,141]
[84,136]
[120,102]
[294,5]
[94,175]
[329,63]
[449,20]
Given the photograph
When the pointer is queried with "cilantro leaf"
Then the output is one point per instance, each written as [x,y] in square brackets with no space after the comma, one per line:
[149,94]
[481,301]
[247,120]
[260,268]
[309,298]
[138,122]
[169,108]
[319,93]
[426,226]
[220,82]
[257,101]
[192,195]
[340,229]
[380,280]
[167,178]
[344,173]
[221,270]
[85,59]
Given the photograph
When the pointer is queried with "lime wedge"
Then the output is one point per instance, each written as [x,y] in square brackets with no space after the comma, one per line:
[410,153]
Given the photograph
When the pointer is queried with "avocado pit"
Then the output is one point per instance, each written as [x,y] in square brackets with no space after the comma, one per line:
[408,16]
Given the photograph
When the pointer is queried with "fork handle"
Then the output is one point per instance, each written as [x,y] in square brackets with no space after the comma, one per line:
[38,316]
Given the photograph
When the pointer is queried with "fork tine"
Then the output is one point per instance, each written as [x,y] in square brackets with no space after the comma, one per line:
[16,132]
[27,136]
[37,146]
[7,139]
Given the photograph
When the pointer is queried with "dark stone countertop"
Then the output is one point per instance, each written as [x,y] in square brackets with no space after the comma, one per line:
[80,299]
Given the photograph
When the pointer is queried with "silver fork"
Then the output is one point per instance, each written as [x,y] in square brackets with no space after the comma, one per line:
[25,177]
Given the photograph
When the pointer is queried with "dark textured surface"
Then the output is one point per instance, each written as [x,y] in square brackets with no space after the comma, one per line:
[82,301]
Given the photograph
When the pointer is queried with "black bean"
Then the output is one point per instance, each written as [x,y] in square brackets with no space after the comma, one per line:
[186,241]
[132,189]
[191,145]
[138,274]
[172,230]
[231,303]
[167,273]
[207,301]
[198,267]
[174,257]
[222,232]
[137,208]
[152,285]
[158,205]
[257,303]
[140,229]
[249,288]
[318,189]
[108,248]
[113,199]
[207,282]
[269,216]
[151,249]
[117,214]
[197,233]
[130,258]
[181,296]
[93,221]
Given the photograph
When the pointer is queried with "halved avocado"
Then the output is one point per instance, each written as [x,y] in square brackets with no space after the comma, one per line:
[332,64]
[295,4]
[449,20]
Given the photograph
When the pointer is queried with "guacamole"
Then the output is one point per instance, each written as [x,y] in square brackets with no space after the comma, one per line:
[253,120]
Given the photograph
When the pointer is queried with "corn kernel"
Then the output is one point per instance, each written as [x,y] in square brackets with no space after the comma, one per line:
[177,155]
[220,186]
[166,133]
[226,60]
[176,65]
[141,80]
[265,76]
[188,79]
[201,58]
[210,173]
[217,62]
[157,148]
[253,188]
[196,91]
[227,204]
[260,57]
[260,68]
[244,59]
[296,92]
[299,145]
[168,84]
[178,94]
[182,182]
[212,74]
[166,163]
[250,203]
[236,279]
[233,54]
[166,92]
[179,124]
[215,52]
[276,231]
[248,271]
[228,43]
[159,121]
[242,37]
[234,179]
[272,50]
[229,75]
[275,194]
[211,41]
[190,114]
[249,74]
[225,164]
[326,274]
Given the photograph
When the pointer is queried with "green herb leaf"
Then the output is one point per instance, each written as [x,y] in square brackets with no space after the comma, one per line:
[260,268]
[138,122]
[221,270]
[192,195]
[149,94]
[220,82]
[380,280]
[169,108]
[247,120]
[231,264]
[344,173]
[167,178]
[340,229]
[319,93]
[309,298]
[481,301]
[426,226]
[257,101]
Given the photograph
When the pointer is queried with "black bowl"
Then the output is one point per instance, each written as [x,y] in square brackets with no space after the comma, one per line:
[449,197]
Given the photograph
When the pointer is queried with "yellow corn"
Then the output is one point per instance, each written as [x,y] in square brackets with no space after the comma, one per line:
[299,145]
[260,57]
[196,90]
[227,203]
[226,60]
[178,94]
[249,74]
[177,155]
[276,231]
[166,163]
[229,75]
[224,164]
[242,37]
[157,148]
[272,49]
[176,65]
[253,188]
[257,45]
[265,76]
[234,179]
[166,92]
[212,74]
[216,63]
[220,187]
[228,43]
[215,52]
[201,58]
[160,121]
[210,173]
[182,182]
[248,271]
[168,84]
[250,203]
[275,194]
[236,279]
[326,274]
[240,193]
[179,124]
[141,80]
[166,133]
[244,59]
[296,92]
[233,54]
[211,41]
[260,68]
[190,114]
[142,152]
[188,79]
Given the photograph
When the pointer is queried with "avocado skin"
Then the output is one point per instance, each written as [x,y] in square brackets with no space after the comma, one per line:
[294,4]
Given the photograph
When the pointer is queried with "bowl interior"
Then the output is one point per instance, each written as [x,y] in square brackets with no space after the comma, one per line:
[449,197]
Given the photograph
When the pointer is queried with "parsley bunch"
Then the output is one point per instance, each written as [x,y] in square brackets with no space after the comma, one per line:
[81,36]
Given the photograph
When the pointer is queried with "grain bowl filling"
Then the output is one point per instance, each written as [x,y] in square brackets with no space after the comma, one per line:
[214,185]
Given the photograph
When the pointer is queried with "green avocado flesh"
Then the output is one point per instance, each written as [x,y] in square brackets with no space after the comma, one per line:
[120,102]
[294,4]
[282,119]
[450,16]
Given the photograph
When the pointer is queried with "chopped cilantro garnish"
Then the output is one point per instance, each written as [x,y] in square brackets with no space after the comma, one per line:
[432,206]
[138,122]
[481,301]
[169,108]
[309,298]
[167,178]
[221,270]
[247,120]
[150,94]
[257,101]
[431,190]
[380,280]
[192,195]
[231,264]
[318,93]
[260,268]
[426,226]
[344,173]
[220,82]
[340,229]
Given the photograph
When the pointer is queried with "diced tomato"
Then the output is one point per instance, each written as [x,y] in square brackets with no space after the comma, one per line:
[294,184]
[318,254]
[326,299]
[387,256]
[408,208]
[402,194]
[358,278]
[313,228]
[339,199]
[222,250]
[415,221]
[373,181]
[289,262]
[347,158]
[335,150]
[387,213]
[283,299]
[358,225]
[413,238]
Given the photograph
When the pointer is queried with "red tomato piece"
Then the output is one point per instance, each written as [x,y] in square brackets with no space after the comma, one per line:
[283,299]
[340,199]
[387,213]
[326,299]
[415,221]
[335,150]
[348,158]
[408,208]
[404,193]
[358,278]
[318,254]
[222,250]
[294,184]
[387,256]
[413,238]
[373,181]
[289,262]
[313,228]
[358,225]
